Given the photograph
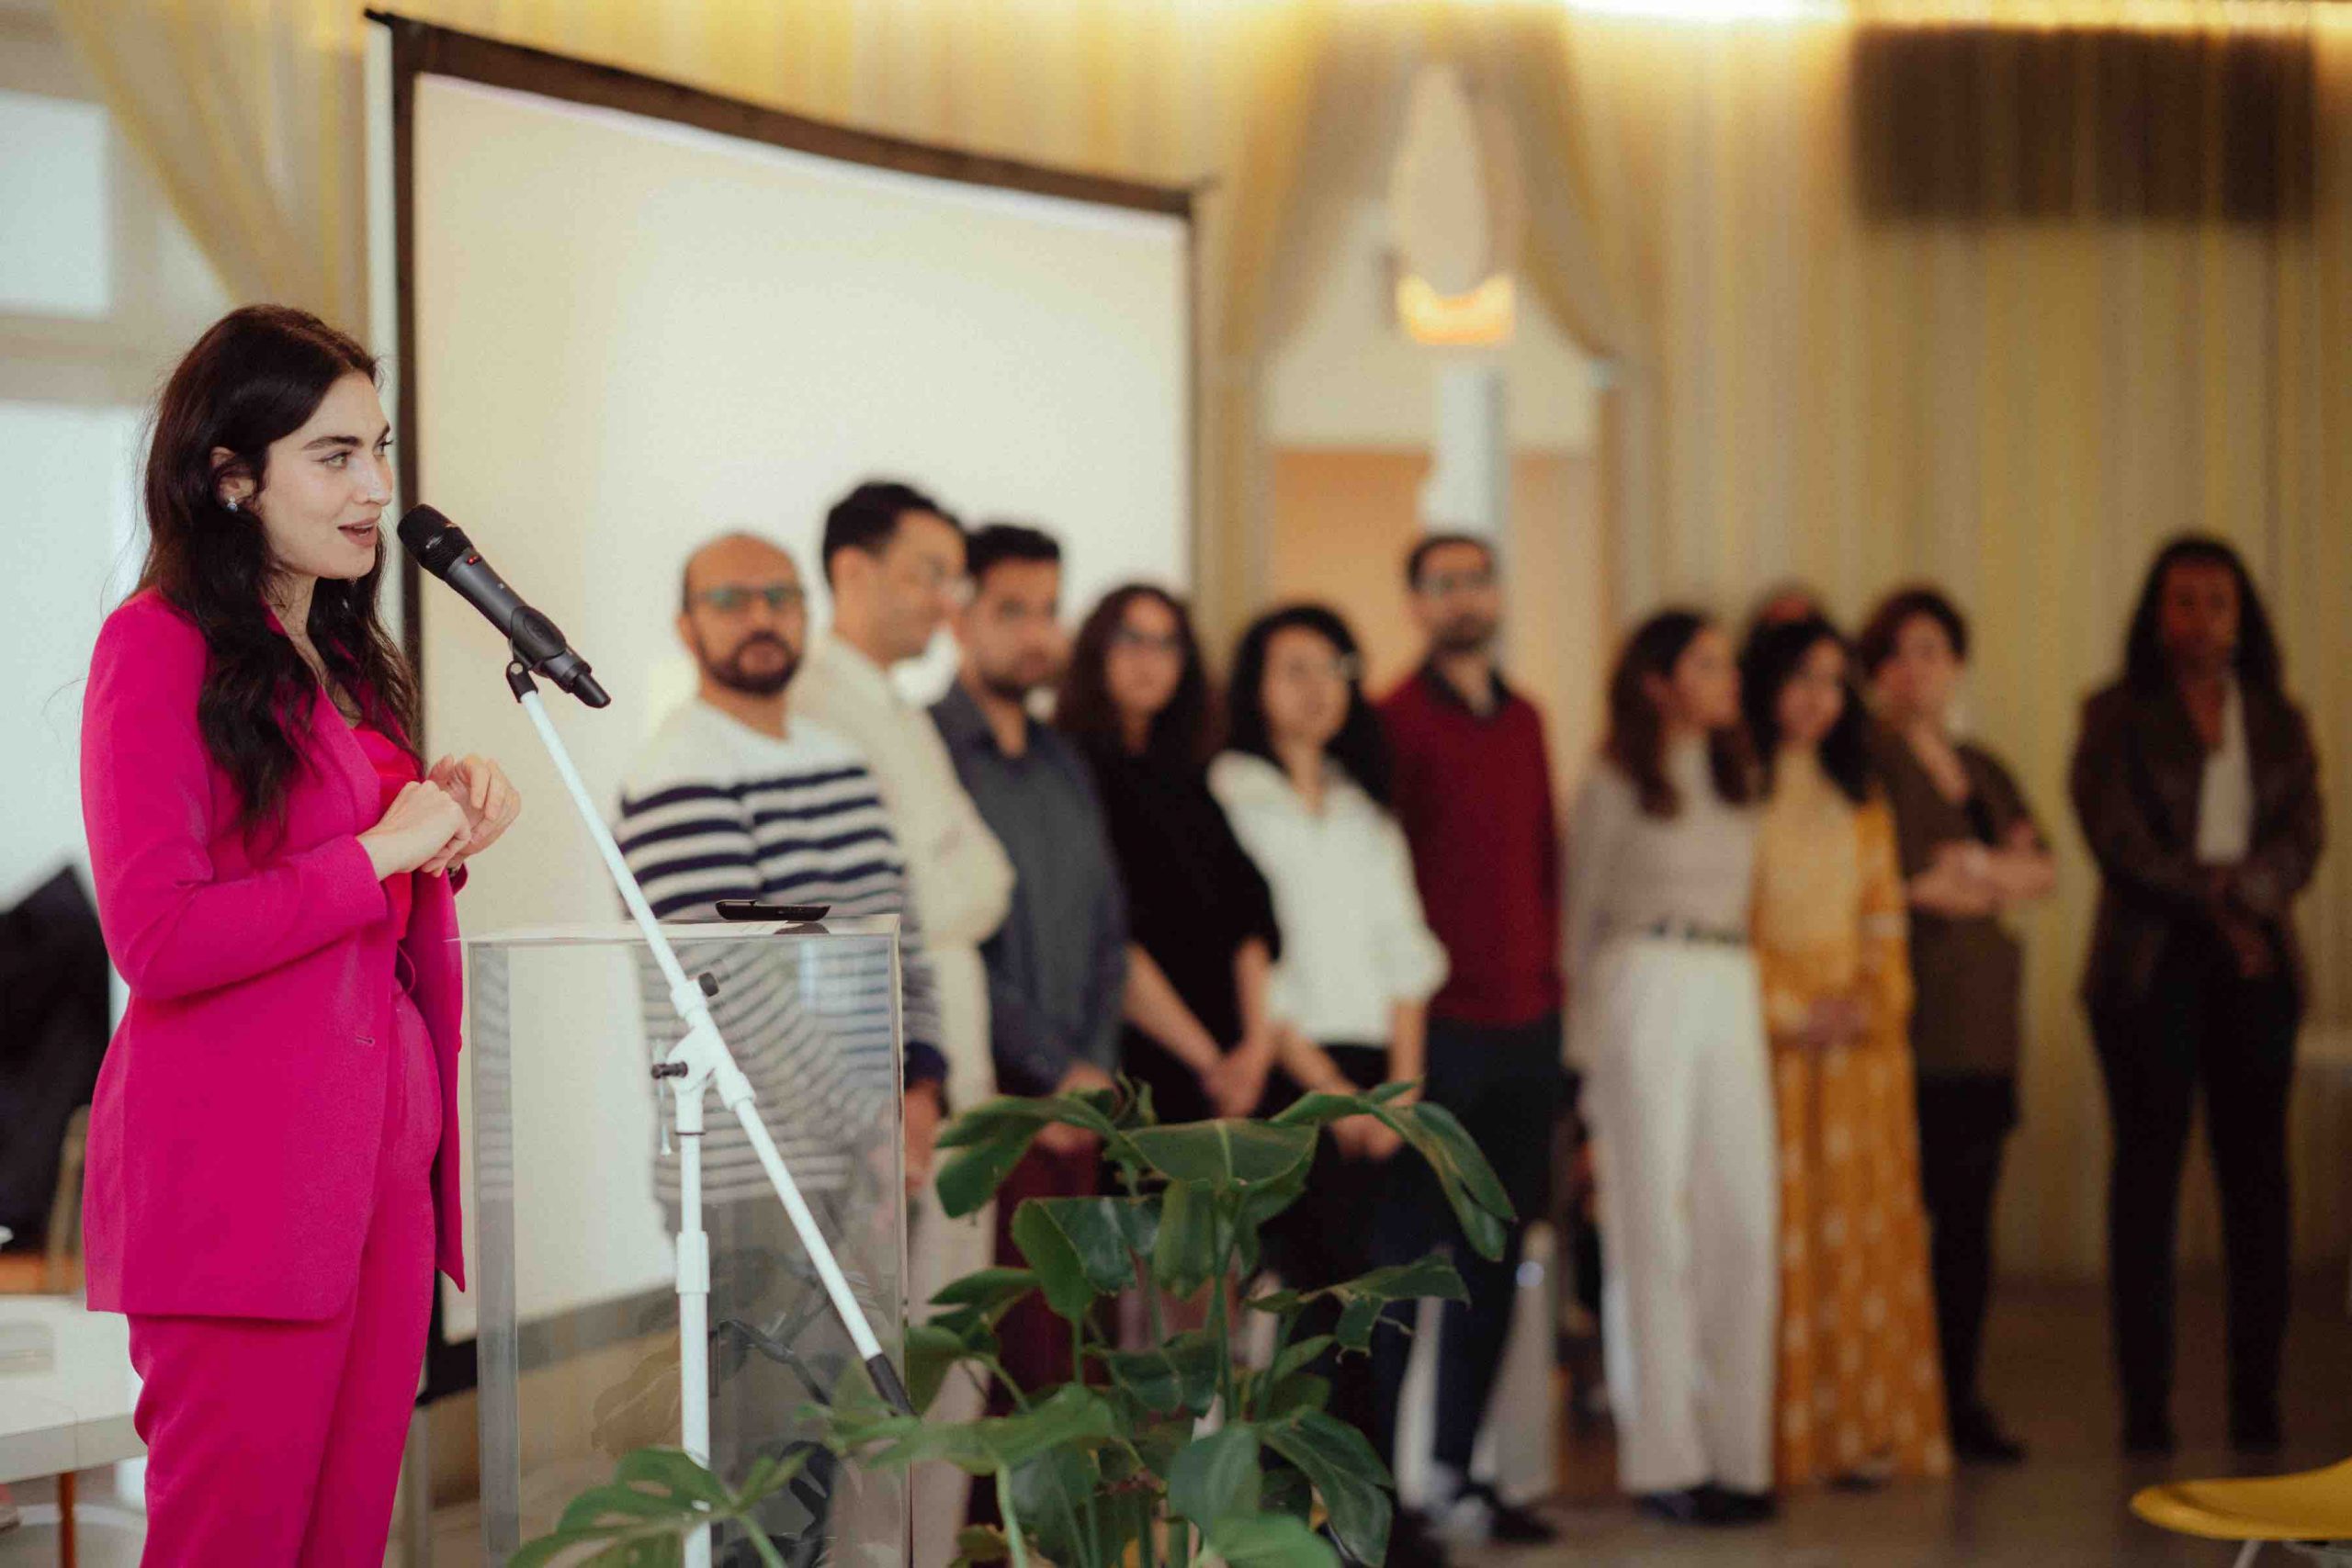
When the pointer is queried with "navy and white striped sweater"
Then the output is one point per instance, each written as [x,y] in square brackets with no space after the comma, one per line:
[714,809]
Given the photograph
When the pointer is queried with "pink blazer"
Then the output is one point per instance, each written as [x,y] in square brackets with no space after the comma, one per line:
[237,1118]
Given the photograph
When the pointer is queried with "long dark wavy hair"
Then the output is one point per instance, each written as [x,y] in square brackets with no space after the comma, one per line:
[2145,664]
[1766,665]
[1636,737]
[1182,734]
[255,378]
[1359,747]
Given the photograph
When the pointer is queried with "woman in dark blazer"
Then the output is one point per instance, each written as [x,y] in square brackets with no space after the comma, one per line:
[2198,788]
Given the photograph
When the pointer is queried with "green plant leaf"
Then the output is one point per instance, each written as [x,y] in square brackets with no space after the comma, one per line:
[933,1350]
[988,1292]
[1296,1393]
[1480,1205]
[989,1139]
[1138,1221]
[1296,1357]
[656,1497]
[1321,1110]
[1127,1514]
[988,1119]
[1224,1156]
[1135,1108]
[1051,1491]
[1079,1248]
[970,1178]
[673,1471]
[1184,1252]
[1270,1540]
[1346,1473]
[1158,1440]
[1180,1375]
[977,1545]
[1216,1477]
[1073,1415]
[1363,1298]
[1259,1203]
[1284,1490]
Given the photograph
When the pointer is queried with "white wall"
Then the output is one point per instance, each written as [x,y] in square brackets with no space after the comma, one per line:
[71,518]
[100,289]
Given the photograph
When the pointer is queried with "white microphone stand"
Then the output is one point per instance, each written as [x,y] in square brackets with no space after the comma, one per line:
[699,1063]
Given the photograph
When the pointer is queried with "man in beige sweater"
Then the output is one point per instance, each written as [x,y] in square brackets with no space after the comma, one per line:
[894,560]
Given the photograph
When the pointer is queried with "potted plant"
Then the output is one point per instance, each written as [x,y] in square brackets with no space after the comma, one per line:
[1115,1470]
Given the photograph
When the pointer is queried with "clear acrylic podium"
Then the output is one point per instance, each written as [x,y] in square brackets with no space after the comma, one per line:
[574,1204]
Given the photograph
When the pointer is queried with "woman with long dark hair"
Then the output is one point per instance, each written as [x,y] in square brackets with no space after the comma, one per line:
[1860,1394]
[272,1170]
[1135,698]
[1971,853]
[1666,1024]
[1304,780]
[2198,788]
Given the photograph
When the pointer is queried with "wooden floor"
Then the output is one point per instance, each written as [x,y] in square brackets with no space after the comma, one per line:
[2048,1373]
[2049,1376]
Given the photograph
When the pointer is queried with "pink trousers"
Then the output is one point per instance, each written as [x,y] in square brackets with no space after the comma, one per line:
[273,1443]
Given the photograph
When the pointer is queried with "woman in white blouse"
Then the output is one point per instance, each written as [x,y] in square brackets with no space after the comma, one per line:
[1304,782]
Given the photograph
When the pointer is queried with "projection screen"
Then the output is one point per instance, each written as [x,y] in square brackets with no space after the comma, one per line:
[633,317]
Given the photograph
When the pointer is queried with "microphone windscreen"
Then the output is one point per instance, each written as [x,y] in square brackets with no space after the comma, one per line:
[432,539]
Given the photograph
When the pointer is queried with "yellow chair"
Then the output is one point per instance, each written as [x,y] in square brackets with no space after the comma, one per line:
[2310,1513]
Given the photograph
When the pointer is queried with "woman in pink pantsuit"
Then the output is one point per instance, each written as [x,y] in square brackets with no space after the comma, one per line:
[273,1156]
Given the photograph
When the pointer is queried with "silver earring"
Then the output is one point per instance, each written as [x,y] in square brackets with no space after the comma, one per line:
[233,503]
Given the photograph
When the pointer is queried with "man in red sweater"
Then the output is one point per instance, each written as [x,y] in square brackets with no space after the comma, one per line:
[1473,789]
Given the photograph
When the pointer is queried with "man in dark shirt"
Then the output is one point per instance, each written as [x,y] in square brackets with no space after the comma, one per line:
[1058,967]
[1473,789]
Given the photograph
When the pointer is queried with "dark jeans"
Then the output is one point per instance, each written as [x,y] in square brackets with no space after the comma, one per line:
[1504,1084]
[1327,1236]
[1964,1124]
[2202,1027]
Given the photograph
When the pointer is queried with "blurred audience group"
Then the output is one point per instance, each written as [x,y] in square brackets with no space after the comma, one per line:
[1762,957]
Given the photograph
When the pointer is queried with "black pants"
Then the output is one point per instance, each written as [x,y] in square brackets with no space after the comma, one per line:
[1504,1085]
[2202,1027]
[1327,1236]
[1965,1126]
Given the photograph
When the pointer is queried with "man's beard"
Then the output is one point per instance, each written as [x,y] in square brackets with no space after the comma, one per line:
[1465,633]
[1009,685]
[730,674]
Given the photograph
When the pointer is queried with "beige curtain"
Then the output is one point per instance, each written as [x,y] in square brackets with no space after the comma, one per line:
[250,111]
[2020,402]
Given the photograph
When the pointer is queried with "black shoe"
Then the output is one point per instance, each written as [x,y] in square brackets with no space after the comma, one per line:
[1476,1517]
[1410,1543]
[1709,1507]
[1511,1524]
[2148,1437]
[1744,1507]
[1977,1439]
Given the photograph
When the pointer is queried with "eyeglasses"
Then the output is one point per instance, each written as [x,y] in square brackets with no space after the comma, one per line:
[1437,585]
[1340,668]
[733,599]
[1128,637]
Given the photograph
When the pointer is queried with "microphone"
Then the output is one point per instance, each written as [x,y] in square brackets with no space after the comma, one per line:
[442,548]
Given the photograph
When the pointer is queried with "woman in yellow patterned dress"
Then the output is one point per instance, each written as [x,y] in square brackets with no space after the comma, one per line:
[1860,1395]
